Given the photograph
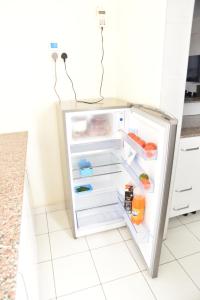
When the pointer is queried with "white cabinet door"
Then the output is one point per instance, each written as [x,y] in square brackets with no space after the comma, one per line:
[187,186]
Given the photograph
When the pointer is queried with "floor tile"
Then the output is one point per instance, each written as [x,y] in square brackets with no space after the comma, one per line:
[181,242]
[58,220]
[129,288]
[194,228]
[125,233]
[103,239]
[192,266]
[40,222]
[63,243]
[173,283]
[46,282]
[164,258]
[189,218]
[43,248]
[113,262]
[136,255]
[74,273]
[174,222]
[39,210]
[56,206]
[95,293]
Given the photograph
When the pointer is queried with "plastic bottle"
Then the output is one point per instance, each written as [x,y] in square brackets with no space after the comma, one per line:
[138,207]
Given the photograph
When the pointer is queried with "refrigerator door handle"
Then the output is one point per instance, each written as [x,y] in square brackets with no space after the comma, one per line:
[190,149]
[176,209]
[184,190]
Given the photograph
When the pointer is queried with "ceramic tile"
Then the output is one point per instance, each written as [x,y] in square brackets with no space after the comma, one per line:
[125,233]
[191,265]
[58,220]
[46,282]
[113,262]
[63,243]
[129,288]
[43,248]
[40,222]
[181,242]
[103,239]
[56,206]
[189,218]
[172,283]
[88,294]
[164,258]
[38,210]
[74,273]
[174,222]
[194,228]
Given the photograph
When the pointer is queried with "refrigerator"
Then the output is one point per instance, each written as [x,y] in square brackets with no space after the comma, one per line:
[106,147]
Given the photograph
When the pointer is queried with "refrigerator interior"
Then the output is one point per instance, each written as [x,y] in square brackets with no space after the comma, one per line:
[112,159]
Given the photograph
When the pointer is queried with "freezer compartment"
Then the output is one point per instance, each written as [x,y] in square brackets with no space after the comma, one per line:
[146,152]
[95,164]
[91,125]
[101,216]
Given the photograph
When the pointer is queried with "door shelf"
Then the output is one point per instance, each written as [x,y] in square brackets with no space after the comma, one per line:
[134,170]
[139,232]
[103,163]
[145,154]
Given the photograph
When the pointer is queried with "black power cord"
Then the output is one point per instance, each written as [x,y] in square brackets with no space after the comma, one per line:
[64,57]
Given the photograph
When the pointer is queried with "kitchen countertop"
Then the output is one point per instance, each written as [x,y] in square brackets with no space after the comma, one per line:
[12,171]
[190,126]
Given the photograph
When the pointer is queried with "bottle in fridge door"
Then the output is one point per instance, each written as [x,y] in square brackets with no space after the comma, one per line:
[117,162]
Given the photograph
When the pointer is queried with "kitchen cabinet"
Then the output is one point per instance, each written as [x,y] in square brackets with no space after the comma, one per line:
[187,186]
[27,278]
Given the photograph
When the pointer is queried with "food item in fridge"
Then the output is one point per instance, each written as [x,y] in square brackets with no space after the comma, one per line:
[85,167]
[128,197]
[144,179]
[137,139]
[83,188]
[99,125]
[138,207]
[150,149]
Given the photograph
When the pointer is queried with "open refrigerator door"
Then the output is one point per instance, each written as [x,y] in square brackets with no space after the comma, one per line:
[147,155]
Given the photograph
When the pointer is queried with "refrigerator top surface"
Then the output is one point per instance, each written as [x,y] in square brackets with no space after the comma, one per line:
[107,103]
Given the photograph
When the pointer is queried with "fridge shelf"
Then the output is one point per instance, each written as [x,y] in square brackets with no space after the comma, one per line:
[134,170]
[145,154]
[101,216]
[95,164]
[139,232]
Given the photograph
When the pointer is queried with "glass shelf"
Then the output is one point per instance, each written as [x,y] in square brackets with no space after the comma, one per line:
[102,163]
[147,155]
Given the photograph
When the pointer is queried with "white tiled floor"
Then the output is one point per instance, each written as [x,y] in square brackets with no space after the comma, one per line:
[107,266]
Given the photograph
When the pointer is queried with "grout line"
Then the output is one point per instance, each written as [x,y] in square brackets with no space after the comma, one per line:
[78,291]
[192,231]
[140,271]
[95,268]
[51,258]
[178,262]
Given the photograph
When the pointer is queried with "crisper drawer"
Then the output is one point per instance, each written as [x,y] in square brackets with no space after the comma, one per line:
[187,187]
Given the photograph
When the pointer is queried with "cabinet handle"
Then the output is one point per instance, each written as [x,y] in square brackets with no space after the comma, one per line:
[185,190]
[187,206]
[190,149]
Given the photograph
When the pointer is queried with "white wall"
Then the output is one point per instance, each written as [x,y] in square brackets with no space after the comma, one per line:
[141,32]
[195,35]
[27,75]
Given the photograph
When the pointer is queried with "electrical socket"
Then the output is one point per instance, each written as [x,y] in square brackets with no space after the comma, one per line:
[102,16]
